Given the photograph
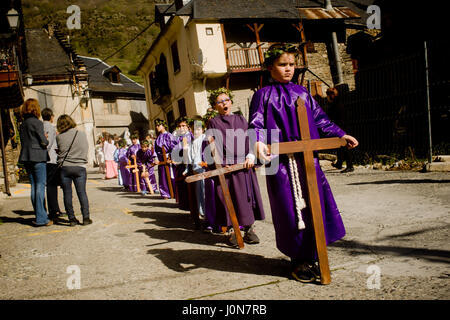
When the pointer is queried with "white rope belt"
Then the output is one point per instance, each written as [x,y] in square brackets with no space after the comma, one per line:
[300,202]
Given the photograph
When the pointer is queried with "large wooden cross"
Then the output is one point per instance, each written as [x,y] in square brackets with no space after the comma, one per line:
[135,170]
[220,172]
[166,163]
[308,146]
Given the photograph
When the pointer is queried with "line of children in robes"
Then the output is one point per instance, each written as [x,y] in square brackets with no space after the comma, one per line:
[272,108]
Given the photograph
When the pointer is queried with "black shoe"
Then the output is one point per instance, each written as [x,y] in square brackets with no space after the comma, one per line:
[346,170]
[314,267]
[86,221]
[250,236]
[232,241]
[73,222]
[337,165]
[303,273]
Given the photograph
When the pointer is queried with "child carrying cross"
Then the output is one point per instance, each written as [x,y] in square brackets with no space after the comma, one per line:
[131,154]
[145,157]
[232,144]
[274,108]
[168,141]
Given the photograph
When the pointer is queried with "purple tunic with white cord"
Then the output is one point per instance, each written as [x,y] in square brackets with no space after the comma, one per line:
[146,159]
[124,172]
[168,141]
[274,108]
[243,184]
[132,150]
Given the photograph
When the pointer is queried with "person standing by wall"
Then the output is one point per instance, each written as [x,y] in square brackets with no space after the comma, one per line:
[337,115]
[34,156]
[73,149]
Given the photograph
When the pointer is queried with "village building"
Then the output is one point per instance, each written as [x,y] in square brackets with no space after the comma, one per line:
[99,97]
[58,78]
[207,44]
[13,64]
[117,102]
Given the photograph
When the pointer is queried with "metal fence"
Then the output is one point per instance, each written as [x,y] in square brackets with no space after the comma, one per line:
[388,110]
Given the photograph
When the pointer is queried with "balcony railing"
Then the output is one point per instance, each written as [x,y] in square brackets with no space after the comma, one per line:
[247,59]
[8,78]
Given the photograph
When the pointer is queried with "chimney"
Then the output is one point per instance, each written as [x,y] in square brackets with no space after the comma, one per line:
[51,30]
[179,4]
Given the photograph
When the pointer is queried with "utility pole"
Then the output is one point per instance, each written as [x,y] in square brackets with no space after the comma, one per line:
[335,49]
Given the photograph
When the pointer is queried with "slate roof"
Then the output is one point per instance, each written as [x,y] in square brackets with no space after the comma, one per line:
[256,9]
[46,56]
[98,83]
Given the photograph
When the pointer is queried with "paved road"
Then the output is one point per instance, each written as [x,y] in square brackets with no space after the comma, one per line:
[139,247]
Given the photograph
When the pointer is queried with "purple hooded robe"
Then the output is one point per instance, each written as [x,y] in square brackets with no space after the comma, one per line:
[243,184]
[274,107]
[146,159]
[168,141]
[123,162]
[132,150]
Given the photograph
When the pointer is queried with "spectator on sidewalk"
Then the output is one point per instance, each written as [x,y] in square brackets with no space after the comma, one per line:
[34,156]
[72,156]
[52,167]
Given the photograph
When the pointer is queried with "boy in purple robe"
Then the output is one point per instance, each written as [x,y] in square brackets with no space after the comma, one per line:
[232,145]
[168,141]
[131,153]
[210,191]
[274,108]
[181,169]
[146,157]
[122,162]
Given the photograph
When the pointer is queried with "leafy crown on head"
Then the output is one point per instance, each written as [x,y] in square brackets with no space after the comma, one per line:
[213,94]
[278,49]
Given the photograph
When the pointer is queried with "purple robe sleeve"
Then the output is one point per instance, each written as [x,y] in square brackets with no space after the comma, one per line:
[257,121]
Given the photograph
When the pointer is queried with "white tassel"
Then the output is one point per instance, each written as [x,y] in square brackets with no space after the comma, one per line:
[300,202]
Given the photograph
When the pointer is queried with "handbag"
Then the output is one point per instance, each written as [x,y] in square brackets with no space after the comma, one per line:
[57,169]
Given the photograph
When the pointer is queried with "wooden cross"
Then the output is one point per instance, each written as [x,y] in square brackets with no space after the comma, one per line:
[135,171]
[220,171]
[166,164]
[308,146]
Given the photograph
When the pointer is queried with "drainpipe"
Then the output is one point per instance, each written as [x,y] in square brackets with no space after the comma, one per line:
[430,144]
[335,48]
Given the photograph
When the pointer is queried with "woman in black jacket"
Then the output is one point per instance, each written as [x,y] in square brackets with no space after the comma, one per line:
[34,156]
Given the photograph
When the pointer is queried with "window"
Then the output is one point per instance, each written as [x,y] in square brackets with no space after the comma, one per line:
[114,77]
[182,107]
[209,31]
[170,120]
[110,106]
[175,57]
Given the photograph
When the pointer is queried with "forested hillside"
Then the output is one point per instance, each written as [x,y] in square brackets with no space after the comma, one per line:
[106,25]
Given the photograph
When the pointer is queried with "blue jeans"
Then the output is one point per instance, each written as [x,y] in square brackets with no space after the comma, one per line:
[37,172]
[78,176]
[200,193]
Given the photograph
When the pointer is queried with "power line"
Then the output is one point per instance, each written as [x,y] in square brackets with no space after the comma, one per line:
[117,51]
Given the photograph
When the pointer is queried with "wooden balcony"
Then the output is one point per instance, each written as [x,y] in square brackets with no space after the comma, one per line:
[8,78]
[248,60]
[11,92]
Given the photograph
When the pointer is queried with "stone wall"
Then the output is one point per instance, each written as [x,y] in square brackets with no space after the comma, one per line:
[12,155]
